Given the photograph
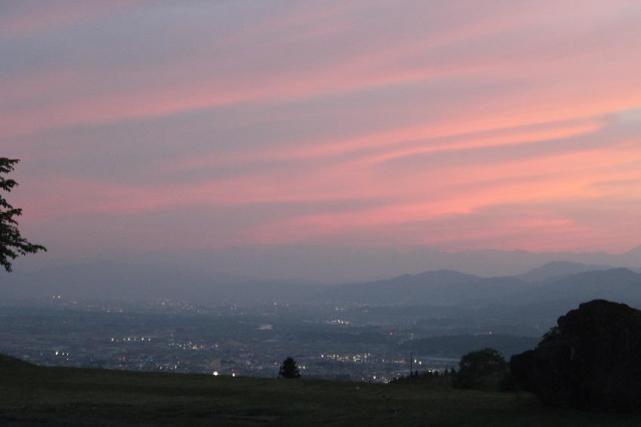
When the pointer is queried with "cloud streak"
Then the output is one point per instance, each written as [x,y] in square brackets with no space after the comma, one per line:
[410,122]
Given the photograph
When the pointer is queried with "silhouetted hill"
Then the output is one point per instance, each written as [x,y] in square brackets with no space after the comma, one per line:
[8,363]
[433,287]
[636,250]
[559,269]
[551,283]
[633,256]
[617,284]
[446,287]
[442,287]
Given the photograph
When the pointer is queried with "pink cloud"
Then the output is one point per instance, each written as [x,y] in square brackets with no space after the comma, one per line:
[430,128]
[361,71]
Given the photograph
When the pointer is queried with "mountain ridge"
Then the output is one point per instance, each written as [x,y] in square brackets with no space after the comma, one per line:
[435,287]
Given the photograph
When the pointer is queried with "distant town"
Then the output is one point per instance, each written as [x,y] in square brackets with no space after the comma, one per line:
[170,336]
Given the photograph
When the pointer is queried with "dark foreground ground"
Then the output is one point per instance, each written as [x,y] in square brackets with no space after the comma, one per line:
[31,396]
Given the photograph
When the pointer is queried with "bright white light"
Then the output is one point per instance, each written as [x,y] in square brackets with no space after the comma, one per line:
[215,373]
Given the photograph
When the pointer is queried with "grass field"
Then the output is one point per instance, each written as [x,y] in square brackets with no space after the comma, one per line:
[32,396]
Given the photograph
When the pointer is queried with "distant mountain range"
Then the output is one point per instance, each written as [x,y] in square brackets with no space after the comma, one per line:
[344,264]
[559,269]
[333,265]
[558,283]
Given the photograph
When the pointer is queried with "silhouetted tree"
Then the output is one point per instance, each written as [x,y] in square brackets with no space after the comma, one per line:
[289,369]
[12,244]
[483,369]
[589,360]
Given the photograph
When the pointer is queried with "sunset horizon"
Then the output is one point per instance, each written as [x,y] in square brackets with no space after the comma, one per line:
[169,127]
[320,212]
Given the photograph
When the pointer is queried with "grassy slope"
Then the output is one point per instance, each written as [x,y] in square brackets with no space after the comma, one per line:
[8,362]
[61,396]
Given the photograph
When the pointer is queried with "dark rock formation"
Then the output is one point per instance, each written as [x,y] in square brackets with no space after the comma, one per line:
[591,360]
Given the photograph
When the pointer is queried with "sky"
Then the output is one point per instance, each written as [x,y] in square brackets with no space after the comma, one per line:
[181,127]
